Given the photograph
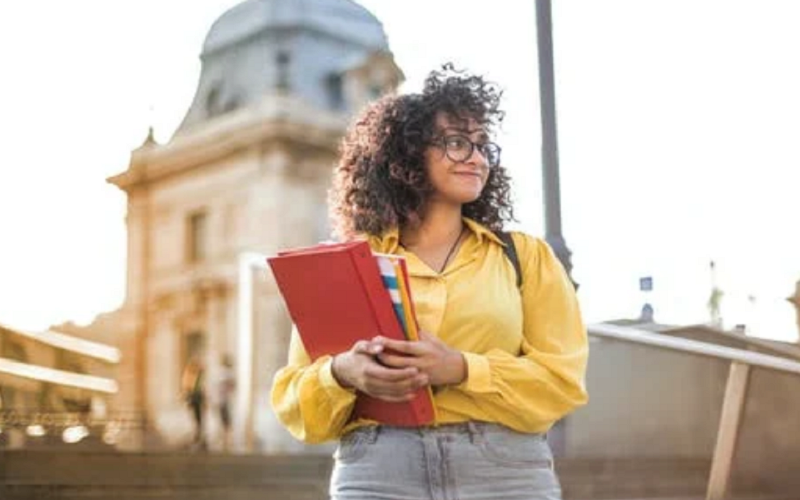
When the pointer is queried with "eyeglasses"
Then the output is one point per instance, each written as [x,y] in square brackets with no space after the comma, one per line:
[459,149]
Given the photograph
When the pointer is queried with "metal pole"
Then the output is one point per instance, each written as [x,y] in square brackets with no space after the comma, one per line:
[550,175]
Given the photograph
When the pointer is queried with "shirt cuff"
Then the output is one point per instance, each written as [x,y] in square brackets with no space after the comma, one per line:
[479,375]
[329,382]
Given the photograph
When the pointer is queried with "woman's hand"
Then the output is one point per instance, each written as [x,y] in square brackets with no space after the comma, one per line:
[359,368]
[440,362]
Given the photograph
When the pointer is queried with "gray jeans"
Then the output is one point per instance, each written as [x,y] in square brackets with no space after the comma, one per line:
[451,462]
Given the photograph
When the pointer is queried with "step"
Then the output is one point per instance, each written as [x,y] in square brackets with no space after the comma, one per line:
[83,475]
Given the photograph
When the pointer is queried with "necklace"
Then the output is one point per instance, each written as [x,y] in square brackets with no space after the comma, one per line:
[452,249]
[449,253]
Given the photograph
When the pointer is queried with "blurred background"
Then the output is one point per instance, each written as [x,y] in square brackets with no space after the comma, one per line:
[154,152]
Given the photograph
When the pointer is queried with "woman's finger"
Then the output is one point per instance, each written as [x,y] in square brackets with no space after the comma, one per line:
[395,361]
[415,348]
[378,372]
[399,388]
[367,347]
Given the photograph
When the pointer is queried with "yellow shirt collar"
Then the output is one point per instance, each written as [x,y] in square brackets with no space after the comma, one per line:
[389,242]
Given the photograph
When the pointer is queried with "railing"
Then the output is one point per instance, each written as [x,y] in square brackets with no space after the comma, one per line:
[58,377]
[735,391]
[59,340]
[72,426]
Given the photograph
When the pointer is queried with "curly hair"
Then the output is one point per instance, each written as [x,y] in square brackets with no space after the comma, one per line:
[380,181]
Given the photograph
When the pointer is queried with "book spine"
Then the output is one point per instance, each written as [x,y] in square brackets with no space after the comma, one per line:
[418,411]
[389,276]
[378,296]
[409,319]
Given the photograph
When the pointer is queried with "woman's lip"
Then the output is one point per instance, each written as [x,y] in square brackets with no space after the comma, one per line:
[475,174]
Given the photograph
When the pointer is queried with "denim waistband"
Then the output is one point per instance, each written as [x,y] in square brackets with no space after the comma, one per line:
[471,428]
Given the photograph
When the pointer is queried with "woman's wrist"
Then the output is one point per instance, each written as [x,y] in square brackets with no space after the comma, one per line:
[458,369]
[336,371]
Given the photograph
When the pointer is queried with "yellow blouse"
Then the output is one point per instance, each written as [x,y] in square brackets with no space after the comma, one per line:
[526,350]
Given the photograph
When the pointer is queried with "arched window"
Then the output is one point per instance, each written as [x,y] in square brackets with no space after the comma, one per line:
[283,59]
[213,106]
[335,90]
[196,237]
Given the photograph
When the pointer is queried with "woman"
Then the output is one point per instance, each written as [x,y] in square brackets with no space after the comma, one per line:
[419,177]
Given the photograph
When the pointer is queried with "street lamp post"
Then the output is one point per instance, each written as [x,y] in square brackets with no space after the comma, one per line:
[550,175]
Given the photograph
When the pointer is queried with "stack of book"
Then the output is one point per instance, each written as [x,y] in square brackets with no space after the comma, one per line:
[338,294]
[395,280]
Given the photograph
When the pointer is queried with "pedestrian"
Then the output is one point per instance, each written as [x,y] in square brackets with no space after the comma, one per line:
[226,390]
[192,384]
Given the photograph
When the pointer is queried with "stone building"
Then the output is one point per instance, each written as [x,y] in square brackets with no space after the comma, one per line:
[247,171]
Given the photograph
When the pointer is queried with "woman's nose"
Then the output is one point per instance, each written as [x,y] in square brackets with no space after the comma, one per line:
[477,157]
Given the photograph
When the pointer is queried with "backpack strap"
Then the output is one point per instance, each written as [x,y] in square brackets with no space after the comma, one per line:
[511,252]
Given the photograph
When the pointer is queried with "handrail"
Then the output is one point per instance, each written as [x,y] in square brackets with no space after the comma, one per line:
[59,377]
[21,418]
[663,341]
[733,401]
[61,340]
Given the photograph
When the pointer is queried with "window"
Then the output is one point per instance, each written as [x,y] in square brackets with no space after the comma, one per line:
[213,102]
[231,104]
[218,103]
[8,397]
[375,91]
[197,237]
[283,59]
[193,346]
[69,362]
[335,92]
[14,350]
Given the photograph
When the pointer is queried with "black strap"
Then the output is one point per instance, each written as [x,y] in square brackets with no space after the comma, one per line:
[511,252]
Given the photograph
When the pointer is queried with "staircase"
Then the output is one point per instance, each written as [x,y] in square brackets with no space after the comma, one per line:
[633,478]
[35,475]
[96,475]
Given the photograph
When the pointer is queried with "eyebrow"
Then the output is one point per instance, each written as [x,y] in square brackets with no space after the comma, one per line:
[465,131]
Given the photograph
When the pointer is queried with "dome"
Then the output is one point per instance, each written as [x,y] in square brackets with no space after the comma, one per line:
[300,47]
[342,18]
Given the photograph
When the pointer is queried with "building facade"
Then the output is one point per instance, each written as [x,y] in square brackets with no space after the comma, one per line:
[247,171]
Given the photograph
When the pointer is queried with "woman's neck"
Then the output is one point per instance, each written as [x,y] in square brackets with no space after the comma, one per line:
[440,225]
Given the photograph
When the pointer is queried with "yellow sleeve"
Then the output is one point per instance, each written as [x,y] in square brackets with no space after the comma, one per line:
[530,392]
[306,397]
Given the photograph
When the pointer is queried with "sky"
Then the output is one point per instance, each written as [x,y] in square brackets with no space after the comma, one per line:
[678,125]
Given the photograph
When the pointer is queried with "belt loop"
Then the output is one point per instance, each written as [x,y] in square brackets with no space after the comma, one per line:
[474,432]
[372,433]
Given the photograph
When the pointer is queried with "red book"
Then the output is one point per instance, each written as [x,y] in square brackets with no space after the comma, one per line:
[335,295]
